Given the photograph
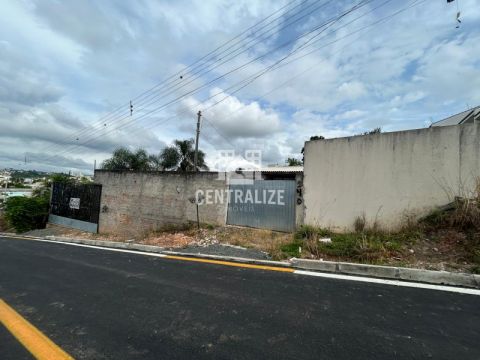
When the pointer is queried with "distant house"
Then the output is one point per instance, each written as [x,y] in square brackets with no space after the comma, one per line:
[282,172]
[465,117]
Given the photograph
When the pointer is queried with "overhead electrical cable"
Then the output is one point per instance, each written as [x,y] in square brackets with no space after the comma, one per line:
[250,80]
[303,35]
[102,122]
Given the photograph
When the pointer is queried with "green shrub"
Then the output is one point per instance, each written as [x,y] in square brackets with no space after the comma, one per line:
[291,249]
[209,226]
[370,245]
[310,232]
[27,213]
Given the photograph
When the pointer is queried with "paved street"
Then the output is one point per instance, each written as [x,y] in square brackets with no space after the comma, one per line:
[98,304]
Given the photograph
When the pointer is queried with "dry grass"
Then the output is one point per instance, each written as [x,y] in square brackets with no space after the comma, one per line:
[457,229]
[181,236]
[173,240]
[264,240]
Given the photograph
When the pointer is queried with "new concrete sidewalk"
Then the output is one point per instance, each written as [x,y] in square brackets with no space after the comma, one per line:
[376,271]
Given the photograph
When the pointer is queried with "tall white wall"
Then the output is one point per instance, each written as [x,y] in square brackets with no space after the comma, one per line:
[388,176]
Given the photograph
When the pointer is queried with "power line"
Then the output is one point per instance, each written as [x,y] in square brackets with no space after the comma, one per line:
[316,49]
[384,19]
[356,7]
[257,75]
[175,77]
[210,68]
[229,56]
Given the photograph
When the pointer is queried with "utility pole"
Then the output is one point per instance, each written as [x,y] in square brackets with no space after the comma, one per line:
[195,161]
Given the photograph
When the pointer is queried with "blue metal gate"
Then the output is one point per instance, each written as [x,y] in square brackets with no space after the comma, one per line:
[264,204]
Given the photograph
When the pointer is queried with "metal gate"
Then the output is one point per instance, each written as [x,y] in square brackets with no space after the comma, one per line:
[76,205]
[264,204]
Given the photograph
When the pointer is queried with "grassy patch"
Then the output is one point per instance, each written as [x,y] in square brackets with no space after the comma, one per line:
[371,246]
[291,249]
[174,228]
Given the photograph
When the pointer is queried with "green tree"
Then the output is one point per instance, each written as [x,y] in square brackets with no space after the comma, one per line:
[60,178]
[27,213]
[180,156]
[125,159]
[293,162]
[85,180]
[377,130]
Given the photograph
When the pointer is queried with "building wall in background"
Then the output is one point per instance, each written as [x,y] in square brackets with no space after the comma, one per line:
[388,177]
[135,203]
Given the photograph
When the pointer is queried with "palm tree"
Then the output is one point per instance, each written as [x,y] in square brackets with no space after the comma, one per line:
[125,159]
[180,156]
[293,162]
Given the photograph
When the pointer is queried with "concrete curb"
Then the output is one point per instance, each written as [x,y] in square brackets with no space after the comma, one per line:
[382,272]
[110,244]
[390,272]
[101,243]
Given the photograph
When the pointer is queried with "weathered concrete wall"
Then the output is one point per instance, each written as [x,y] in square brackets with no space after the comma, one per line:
[135,203]
[388,176]
[300,204]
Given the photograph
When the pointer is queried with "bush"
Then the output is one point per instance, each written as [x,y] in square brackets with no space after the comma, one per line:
[24,213]
[370,245]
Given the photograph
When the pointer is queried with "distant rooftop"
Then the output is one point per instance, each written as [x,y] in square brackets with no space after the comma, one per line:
[468,116]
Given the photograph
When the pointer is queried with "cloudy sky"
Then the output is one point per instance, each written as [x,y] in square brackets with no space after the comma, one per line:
[68,70]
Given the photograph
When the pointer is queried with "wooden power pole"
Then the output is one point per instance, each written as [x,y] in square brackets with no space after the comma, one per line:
[195,160]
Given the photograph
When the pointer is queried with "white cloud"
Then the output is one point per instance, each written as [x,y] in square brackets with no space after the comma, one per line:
[351,90]
[350,114]
[236,119]
[65,64]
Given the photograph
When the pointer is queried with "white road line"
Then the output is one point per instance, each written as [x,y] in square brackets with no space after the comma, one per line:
[94,247]
[390,282]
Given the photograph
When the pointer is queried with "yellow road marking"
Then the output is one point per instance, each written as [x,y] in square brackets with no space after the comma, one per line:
[229,263]
[41,347]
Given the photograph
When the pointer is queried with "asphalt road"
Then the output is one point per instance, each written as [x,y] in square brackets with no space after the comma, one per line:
[98,304]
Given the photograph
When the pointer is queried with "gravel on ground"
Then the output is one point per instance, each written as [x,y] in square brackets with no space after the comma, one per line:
[225,250]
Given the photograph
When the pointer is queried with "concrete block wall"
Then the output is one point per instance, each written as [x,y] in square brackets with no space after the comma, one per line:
[211,212]
[388,177]
[134,203]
